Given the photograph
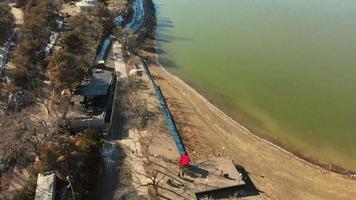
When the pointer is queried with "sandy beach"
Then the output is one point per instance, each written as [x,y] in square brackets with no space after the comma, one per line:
[208,132]
[277,173]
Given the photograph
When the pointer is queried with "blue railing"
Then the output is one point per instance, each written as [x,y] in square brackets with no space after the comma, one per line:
[167,114]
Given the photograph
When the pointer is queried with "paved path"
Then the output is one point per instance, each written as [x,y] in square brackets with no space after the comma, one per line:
[111,153]
[134,157]
[120,66]
[121,145]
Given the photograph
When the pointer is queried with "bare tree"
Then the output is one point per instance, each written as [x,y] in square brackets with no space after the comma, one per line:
[155,177]
[134,86]
[137,104]
[39,133]
[23,137]
[127,38]
[158,176]
[145,138]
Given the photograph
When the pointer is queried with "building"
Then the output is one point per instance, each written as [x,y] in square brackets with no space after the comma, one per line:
[89,107]
[85,6]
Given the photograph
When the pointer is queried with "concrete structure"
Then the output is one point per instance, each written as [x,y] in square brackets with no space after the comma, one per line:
[85,6]
[214,173]
[46,186]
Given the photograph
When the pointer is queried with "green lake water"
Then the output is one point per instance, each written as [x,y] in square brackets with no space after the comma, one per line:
[285,69]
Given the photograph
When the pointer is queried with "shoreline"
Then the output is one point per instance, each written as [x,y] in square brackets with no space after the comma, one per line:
[312,161]
[275,170]
[273,142]
[246,130]
[307,163]
[299,156]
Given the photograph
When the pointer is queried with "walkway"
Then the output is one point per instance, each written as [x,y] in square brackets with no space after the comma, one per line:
[119,157]
[112,154]
[120,66]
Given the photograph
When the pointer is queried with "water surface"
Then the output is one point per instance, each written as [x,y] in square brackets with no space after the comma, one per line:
[283,68]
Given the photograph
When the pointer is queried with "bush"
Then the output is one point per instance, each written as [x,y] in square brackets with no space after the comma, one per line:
[28,191]
[89,141]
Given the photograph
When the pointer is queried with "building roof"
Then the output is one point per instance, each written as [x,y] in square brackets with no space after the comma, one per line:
[45,187]
[99,84]
[103,50]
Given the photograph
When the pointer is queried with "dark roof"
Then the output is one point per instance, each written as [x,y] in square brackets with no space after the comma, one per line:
[98,85]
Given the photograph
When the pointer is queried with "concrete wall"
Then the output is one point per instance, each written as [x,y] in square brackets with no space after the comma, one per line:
[88,123]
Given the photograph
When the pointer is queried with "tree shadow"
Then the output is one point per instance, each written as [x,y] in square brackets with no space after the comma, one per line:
[114,176]
[165,38]
[166,62]
[163,35]
[165,22]
[153,49]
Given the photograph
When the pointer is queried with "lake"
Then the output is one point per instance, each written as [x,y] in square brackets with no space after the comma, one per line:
[285,69]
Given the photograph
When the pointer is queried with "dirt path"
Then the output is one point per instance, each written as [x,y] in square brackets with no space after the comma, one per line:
[278,174]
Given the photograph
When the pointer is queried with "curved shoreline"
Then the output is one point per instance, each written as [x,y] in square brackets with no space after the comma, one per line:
[300,156]
[279,173]
[310,162]
[269,164]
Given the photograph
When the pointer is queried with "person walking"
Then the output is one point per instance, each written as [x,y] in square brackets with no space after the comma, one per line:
[184,162]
